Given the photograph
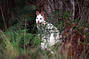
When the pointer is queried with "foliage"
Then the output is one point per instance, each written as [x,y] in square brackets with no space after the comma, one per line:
[22,39]
[75,36]
[17,39]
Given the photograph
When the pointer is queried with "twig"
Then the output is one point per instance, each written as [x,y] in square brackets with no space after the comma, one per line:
[73,10]
[3,18]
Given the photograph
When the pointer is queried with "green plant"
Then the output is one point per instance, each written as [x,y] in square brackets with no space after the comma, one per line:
[15,40]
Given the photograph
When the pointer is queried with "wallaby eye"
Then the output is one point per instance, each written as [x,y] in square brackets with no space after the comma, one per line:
[40,18]
[36,18]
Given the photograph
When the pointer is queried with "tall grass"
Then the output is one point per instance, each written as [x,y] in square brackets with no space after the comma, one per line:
[8,50]
[16,42]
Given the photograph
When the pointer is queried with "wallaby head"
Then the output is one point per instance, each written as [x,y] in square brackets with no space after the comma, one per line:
[40,17]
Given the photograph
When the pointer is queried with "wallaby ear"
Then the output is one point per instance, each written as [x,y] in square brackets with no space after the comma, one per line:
[37,13]
[42,13]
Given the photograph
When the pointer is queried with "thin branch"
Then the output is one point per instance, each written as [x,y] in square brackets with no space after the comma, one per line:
[3,18]
[73,10]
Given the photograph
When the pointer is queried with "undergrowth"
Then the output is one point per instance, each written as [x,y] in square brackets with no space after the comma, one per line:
[20,40]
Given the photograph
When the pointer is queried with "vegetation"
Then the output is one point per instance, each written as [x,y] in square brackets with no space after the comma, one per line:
[19,36]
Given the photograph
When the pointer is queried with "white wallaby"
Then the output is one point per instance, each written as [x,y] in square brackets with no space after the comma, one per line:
[48,32]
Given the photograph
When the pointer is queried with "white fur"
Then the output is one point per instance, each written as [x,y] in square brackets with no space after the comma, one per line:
[46,44]
[39,19]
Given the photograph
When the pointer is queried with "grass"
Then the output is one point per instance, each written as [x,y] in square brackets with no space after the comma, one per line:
[17,43]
